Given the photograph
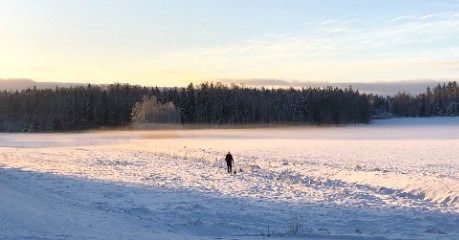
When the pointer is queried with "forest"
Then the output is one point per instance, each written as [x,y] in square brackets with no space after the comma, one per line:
[208,104]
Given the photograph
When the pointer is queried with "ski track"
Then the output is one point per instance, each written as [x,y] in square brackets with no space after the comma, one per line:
[144,187]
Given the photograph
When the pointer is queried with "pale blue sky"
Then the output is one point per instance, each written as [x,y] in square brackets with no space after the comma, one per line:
[172,43]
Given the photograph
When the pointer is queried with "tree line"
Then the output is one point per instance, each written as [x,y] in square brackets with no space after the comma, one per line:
[119,105]
[68,109]
[92,106]
[442,100]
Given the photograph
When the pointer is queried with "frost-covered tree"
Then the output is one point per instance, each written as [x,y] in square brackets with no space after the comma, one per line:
[149,110]
[451,110]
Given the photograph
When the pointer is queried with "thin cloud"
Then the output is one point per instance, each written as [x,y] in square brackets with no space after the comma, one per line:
[343,30]
[400,18]
[426,17]
[170,71]
[352,53]
[416,32]
[327,22]
[438,64]
[310,45]
[262,82]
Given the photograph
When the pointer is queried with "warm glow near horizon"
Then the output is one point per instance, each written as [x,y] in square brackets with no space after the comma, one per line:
[173,43]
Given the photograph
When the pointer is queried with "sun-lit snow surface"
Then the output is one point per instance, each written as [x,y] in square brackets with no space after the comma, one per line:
[393,179]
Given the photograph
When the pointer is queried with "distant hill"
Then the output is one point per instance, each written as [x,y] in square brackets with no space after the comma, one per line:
[20,84]
[381,88]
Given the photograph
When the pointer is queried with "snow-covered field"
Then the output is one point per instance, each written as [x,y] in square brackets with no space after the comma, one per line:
[393,179]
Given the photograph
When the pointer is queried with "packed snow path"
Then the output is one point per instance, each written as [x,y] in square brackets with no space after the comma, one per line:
[395,179]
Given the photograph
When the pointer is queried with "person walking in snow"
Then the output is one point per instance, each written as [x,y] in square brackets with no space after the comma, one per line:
[229,162]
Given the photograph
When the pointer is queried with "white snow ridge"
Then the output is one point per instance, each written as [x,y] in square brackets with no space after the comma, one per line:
[393,179]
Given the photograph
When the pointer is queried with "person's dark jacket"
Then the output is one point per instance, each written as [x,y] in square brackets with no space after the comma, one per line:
[229,159]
